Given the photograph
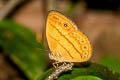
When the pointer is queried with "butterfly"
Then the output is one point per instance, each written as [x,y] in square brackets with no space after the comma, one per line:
[66,42]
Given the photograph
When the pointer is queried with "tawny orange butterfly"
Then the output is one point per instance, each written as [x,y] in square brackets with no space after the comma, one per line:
[66,42]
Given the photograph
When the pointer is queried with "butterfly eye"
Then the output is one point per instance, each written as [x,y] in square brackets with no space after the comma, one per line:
[65,25]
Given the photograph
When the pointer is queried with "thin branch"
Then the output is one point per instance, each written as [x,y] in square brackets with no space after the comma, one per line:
[59,70]
[4,11]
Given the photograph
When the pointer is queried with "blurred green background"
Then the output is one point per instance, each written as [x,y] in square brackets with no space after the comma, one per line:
[23,46]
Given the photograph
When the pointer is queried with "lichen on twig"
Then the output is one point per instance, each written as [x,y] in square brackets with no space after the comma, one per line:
[63,68]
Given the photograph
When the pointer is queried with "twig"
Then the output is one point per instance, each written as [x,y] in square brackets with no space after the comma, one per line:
[8,8]
[59,70]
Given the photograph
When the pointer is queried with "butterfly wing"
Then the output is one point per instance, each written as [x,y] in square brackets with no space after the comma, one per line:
[65,47]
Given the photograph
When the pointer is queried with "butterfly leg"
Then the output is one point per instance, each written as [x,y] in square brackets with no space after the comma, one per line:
[55,64]
[64,63]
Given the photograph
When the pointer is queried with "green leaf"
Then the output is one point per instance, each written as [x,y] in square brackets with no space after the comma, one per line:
[93,69]
[86,78]
[82,71]
[111,62]
[21,46]
[46,74]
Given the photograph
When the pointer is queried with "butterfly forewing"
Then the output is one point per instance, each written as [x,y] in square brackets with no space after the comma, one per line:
[66,42]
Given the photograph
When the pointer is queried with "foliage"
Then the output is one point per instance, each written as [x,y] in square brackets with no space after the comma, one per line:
[43,76]
[111,62]
[86,78]
[92,71]
[21,46]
